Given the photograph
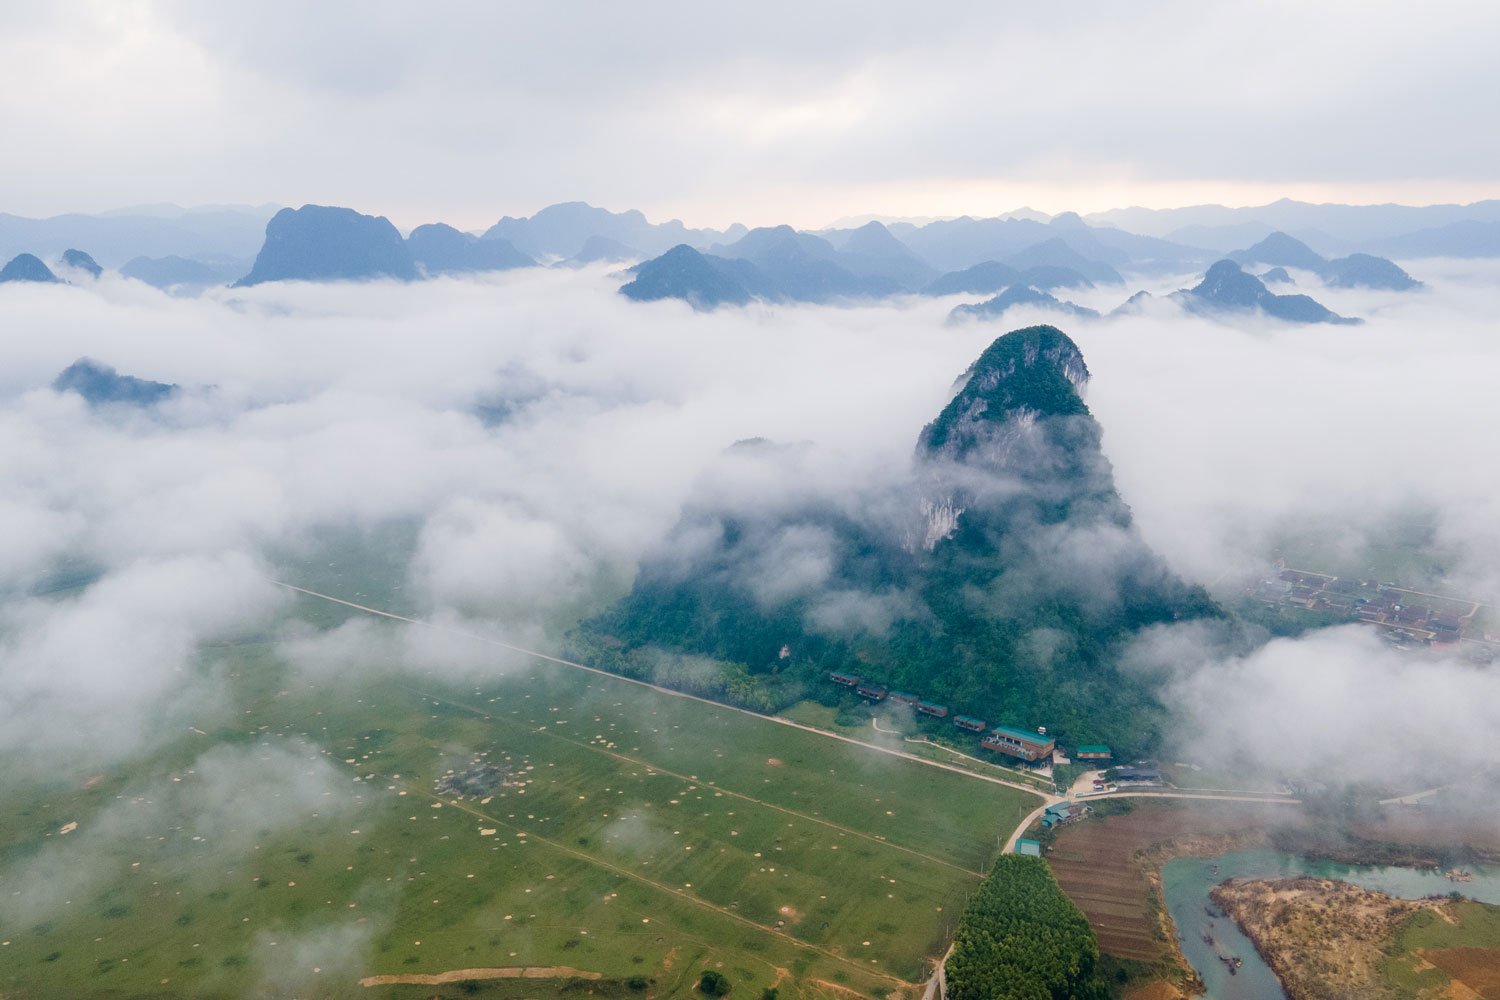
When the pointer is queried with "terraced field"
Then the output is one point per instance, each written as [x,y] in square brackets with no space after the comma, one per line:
[357,822]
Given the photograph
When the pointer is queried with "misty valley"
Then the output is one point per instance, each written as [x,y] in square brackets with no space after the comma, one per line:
[975,608]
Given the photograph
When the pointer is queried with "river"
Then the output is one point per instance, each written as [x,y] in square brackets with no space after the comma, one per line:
[1186,882]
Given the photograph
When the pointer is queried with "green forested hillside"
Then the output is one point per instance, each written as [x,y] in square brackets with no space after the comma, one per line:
[999,575]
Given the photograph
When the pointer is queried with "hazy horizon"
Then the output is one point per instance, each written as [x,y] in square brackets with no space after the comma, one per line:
[405,225]
[719,116]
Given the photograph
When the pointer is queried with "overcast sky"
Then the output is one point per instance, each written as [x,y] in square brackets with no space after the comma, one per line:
[775,111]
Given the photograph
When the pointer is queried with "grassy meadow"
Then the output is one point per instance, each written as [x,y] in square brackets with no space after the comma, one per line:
[624,841]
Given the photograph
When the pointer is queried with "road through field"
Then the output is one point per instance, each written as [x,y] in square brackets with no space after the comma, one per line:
[1048,798]
[500,643]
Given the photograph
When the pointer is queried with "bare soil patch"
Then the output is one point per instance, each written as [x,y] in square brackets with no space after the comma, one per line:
[1157,991]
[1476,968]
[1323,939]
[1110,867]
[462,975]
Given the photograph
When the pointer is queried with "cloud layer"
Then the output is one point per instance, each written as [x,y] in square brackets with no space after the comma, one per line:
[531,436]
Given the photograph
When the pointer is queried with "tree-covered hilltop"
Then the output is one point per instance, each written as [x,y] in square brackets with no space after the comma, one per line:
[1036,370]
[1022,939]
[999,574]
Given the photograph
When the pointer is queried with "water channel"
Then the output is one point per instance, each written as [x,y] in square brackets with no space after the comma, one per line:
[1187,881]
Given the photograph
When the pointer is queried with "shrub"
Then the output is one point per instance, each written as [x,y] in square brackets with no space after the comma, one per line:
[713,984]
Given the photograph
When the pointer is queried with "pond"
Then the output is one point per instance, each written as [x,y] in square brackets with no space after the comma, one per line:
[1187,881]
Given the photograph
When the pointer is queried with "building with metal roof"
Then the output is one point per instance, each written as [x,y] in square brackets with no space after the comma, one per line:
[1019,743]
[1064,812]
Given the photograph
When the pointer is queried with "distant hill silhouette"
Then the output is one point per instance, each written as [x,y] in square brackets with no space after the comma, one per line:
[603,250]
[27,267]
[564,229]
[115,237]
[1277,276]
[871,251]
[100,385]
[322,243]
[1280,250]
[1227,288]
[1366,227]
[1018,295]
[1057,253]
[957,244]
[1133,306]
[80,261]
[993,276]
[1465,238]
[779,263]
[806,268]
[1360,270]
[441,249]
[173,271]
[981,279]
[683,273]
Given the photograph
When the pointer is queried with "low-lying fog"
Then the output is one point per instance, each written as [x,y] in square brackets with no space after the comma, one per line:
[540,432]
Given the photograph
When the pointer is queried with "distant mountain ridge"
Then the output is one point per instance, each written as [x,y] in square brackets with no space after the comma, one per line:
[1226,288]
[563,230]
[779,263]
[180,272]
[1359,270]
[871,259]
[115,237]
[440,249]
[1464,238]
[1357,226]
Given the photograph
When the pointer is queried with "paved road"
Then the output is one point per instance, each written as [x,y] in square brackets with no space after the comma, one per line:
[938,746]
[490,640]
[1414,798]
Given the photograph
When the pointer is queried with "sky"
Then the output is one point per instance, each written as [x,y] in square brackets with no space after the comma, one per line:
[763,113]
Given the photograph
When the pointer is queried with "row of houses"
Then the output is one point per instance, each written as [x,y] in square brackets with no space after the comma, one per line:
[1380,604]
[1021,744]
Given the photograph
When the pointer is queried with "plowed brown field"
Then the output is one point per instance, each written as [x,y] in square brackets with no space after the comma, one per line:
[1476,968]
[1096,864]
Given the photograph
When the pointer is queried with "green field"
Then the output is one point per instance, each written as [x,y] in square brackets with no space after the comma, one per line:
[640,837]
[1432,952]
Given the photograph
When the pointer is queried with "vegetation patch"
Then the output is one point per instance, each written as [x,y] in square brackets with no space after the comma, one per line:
[1022,938]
